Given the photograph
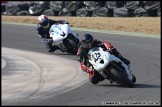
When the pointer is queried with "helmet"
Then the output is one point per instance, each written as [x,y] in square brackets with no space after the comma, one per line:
[87,41]
[43,20]
[87,38]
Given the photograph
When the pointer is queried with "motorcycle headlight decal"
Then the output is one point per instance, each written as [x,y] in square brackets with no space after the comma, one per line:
[102,61]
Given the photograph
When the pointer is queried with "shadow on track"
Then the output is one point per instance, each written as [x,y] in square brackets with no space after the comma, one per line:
[146,86]
[135,86]
[59,53]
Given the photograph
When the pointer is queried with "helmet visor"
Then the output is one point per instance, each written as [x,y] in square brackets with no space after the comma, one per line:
[87,45]
[44,23]
[46,27]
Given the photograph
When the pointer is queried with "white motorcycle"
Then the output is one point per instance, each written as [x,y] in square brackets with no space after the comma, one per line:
[111,67]
[64,38]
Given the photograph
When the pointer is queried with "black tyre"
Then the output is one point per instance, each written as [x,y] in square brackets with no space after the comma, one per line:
[121,78]
[71,43]
[74,42]
[73,52]
[133,79]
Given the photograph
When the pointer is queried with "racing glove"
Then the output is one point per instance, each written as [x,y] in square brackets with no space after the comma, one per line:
[89,70]
[85,68]
[62,22]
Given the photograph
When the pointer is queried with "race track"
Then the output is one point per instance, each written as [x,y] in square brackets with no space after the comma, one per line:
[21,43]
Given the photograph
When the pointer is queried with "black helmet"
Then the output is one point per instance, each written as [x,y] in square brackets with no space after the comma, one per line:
[87,38]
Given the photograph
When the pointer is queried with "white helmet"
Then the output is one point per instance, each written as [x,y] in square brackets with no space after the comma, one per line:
[43,20]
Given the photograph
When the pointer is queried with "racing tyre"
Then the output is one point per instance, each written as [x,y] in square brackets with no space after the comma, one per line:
[120,77]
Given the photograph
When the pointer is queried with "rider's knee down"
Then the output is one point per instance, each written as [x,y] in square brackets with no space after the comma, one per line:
[97,78]
[94,80]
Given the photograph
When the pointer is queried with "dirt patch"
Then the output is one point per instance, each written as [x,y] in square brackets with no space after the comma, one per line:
[150,25]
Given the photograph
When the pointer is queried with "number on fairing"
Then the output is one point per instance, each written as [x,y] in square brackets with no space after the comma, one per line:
[96,56]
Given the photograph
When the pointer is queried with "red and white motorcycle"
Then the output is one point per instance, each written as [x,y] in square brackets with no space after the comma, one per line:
[111,67]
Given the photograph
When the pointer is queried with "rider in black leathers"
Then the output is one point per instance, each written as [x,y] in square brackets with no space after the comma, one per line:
[86,44]
[43,27]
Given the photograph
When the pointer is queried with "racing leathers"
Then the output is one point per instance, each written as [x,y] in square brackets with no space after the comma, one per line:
[82,53]
[44,34]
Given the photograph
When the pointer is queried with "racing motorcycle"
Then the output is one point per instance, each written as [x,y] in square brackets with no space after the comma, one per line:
[64,38]
[111,67]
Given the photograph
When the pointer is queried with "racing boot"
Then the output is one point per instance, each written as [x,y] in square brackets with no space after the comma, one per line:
[117,54]
[96,77]
[51,48]
[54,48]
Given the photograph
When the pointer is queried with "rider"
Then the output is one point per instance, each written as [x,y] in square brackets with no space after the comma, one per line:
[43,27]
[86,44]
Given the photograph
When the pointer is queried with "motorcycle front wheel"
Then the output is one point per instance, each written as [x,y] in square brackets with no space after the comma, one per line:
[120,77]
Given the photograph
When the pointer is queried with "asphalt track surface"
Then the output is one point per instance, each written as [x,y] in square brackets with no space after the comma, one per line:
[144,54]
